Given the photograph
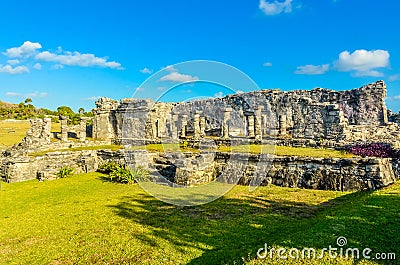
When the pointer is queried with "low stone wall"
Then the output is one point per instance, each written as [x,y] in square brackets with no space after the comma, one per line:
[191,169]
[316,173]
[369,133]
[46,166]
[303,172]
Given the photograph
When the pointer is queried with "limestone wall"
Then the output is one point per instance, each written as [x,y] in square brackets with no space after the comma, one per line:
[47,166]
[104,121]
[39,132]
[370,133]
[192,169]
[303,172]
[315,114]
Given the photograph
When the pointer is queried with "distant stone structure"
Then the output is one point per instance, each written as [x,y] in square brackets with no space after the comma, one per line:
[333,117]
[79,130]
[39,132]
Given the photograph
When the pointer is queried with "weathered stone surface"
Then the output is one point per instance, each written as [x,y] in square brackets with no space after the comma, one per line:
[315,115]
[47,166]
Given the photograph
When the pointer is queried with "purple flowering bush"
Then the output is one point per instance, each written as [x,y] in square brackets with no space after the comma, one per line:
[373,149]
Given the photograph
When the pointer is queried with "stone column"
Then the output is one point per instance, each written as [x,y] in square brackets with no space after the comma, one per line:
[202,126]
[82,129]
[258,122]
[225,126]
[174,129]
[196,125]
[183,126]
[64,128]
[161,127]
[282,124]
[250,126]
[46,130]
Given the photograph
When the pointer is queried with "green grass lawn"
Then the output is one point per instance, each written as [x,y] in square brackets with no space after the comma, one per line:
[253,149]
[12,132]
[79,148]
[85,220]
[286,151]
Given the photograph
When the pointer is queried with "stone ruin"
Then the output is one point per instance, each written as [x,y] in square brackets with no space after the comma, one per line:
[315,118]
[319,117]
[39,132]
[78,131]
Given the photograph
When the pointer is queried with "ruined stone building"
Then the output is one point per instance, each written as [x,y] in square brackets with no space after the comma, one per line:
[316,115]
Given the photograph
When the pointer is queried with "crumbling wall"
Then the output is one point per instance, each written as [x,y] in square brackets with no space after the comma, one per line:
[370,133]
[314,114]
[104,121]
[39,132]
[16,169]
[192,169]
[79,130]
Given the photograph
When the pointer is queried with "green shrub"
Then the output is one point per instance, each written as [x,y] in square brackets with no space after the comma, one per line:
[122,174]
[65,172]
[108,167]
[140,174]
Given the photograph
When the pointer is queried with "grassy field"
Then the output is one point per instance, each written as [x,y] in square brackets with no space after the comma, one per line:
[13,131]
[84,219]
[254,149]
[286,151]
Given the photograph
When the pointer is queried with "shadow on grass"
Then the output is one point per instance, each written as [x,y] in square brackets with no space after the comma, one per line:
[233,228]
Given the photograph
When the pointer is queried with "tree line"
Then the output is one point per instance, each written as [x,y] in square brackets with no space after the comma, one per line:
[26,110]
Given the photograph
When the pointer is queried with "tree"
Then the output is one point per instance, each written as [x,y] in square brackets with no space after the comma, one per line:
[73,118]
[81,111]
[28,101]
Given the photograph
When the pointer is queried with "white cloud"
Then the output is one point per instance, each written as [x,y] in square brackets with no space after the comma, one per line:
[394,77]
[218,95]
[92,98]
[27,49]
[139,89]
[57,66]
[372,73]
[146,71]
[161,88]
[37,66]
[13,70]
[397,97]
[169,68]
[77,59]
[178,77]
[13,62]
[312,69]
[363,62]
[35,94]
[267,64]
[275,7]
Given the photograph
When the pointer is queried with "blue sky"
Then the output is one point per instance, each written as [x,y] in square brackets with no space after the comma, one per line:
[70,52]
